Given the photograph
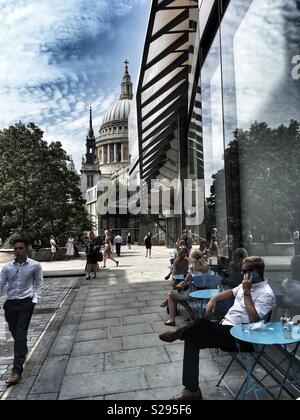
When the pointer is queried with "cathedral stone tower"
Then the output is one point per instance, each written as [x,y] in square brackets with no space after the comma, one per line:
[90,173]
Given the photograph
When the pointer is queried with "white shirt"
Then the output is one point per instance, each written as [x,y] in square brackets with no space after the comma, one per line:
[22,280]
[262,297]
[118,239]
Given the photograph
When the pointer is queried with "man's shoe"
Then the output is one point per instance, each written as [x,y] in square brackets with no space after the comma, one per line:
[13,379]
[168,336]
[187,395]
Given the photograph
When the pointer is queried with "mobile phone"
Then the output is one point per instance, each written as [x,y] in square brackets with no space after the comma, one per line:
[253,275]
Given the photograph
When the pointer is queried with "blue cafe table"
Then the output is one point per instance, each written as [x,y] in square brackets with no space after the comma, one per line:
[270,336]
[206,294]
[203,296]
[179,277]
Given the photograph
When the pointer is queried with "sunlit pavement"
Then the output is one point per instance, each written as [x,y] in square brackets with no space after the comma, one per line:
[98,339]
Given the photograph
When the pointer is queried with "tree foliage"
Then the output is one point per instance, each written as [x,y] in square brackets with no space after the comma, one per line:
[39,194]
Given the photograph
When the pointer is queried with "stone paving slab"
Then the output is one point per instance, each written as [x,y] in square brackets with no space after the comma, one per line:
[85,364]
[99,323]
[135,358]
[141,318]
[43,397]
[142,341]
[96,346]
[90,335]
[123,312]
[51,376]
[164,375]
[97,384]
[129,330]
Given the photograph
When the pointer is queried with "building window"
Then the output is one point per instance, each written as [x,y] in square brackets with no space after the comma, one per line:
[90,181]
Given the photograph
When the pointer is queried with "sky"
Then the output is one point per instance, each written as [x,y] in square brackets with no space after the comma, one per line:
[58,55]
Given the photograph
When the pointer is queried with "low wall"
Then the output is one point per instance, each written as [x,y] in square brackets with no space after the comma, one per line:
[6,255]
[44,254]
[274,249]
[41,255]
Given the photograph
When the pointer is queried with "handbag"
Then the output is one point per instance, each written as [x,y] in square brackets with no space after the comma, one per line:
[100,256]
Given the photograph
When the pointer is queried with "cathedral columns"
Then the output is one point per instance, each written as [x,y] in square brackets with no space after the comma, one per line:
[115,153]
[102,155]
[122,152]
[108,153]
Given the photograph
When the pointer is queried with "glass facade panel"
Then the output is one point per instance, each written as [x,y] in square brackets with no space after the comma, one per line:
[261,107]
[213,144]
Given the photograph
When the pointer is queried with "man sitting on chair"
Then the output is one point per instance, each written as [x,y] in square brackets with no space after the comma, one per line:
[253,298]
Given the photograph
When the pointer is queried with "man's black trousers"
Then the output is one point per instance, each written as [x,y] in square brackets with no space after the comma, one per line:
[118,249]
[203,334]
[18,315]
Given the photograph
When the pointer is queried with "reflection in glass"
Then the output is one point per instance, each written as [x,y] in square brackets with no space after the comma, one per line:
[214,170]
[261,110]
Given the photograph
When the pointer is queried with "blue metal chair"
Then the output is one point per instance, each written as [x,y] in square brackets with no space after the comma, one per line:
[201,282]
[234,358]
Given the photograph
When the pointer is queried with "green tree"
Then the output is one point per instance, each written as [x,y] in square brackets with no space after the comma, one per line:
[39,194]
[262,173]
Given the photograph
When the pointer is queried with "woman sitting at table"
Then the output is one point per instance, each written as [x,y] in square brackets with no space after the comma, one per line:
[179,293]
[180,266]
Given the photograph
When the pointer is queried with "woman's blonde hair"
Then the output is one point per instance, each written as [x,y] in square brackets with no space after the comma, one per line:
[197,264]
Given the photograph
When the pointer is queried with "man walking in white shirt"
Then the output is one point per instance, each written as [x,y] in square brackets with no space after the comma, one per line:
[118,242]
[23,280]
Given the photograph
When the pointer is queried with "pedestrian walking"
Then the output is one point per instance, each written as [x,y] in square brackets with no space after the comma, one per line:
[76,251]
[118,243]
[148,244]
[92,255]
[214,248]
[107,254]
[129,240]
[24,280]
[70,247]
[54,248]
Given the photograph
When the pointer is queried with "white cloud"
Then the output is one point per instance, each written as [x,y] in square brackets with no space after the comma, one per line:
[46,75]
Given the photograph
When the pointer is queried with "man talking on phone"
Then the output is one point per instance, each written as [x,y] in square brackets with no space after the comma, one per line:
[23,280]
[254,298]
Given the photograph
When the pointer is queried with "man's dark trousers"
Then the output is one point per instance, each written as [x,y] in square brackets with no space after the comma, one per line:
[118,249]
[18,315]
[203,334]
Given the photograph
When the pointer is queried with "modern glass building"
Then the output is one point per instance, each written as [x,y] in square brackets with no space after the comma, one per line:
[219,101]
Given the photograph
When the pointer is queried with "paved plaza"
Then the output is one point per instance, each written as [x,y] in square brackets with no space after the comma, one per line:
[98,339]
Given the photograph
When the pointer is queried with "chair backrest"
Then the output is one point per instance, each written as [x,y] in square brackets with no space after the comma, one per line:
[206,281]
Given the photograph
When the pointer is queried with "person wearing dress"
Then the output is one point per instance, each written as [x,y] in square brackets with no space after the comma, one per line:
[54,248]
[107,255]
[148,244]
[92,255]
[70,252]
